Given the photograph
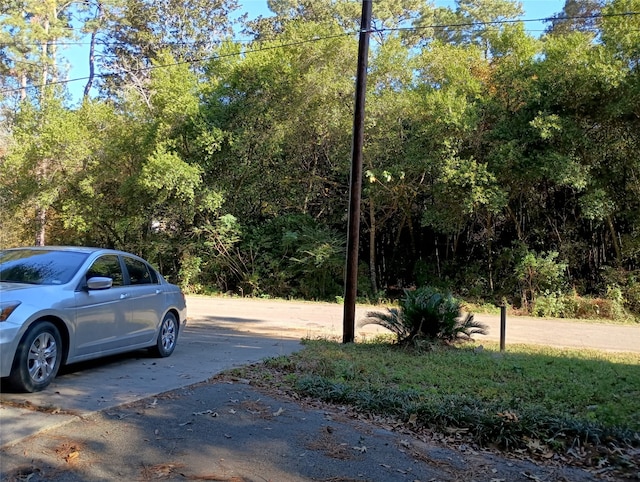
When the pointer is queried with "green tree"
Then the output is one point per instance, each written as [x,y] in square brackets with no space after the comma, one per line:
[473,22]
[31,32]
[146,162]
[141,30]
[580,15]
[49,148]
[286,116]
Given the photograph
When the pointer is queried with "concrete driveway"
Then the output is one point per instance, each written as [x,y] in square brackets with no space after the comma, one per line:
[222,333]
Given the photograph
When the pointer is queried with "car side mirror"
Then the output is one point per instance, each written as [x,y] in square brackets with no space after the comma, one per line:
[99,283]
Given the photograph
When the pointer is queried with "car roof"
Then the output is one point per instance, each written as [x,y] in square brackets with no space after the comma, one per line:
[77,249]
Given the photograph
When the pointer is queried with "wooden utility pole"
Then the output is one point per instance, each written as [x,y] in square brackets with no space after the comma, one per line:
[355,191]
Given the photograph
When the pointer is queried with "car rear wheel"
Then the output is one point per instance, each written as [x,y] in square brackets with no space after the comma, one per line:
[37,359]
[167,337]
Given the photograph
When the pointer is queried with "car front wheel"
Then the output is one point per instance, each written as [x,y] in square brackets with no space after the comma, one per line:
[37,359]
[167,337]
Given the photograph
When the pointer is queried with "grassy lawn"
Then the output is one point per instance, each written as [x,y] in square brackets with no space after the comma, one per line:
[530,399]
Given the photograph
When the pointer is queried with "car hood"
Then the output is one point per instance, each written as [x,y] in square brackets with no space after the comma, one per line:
[18,290]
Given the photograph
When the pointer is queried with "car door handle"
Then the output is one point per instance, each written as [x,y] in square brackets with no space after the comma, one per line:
[158,292]
[124,296]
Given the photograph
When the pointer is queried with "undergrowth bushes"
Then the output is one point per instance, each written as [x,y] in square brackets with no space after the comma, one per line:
[559,305]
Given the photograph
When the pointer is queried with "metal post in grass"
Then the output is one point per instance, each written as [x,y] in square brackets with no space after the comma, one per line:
[503,325]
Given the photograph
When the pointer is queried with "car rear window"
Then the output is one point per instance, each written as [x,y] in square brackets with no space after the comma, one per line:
[39,266]
[139,272]
[109,267]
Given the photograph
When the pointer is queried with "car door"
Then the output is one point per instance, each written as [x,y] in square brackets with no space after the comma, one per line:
[146,302]
[101,315]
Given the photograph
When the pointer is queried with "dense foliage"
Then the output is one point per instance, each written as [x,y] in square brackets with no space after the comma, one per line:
[499,165]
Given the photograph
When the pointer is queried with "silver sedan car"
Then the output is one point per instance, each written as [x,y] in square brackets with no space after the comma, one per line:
[61,305]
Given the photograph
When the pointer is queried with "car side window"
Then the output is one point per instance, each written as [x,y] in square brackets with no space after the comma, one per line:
[138,272]
[107,266]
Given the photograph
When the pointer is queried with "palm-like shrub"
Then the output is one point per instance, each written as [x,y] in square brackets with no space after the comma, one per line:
[427,314]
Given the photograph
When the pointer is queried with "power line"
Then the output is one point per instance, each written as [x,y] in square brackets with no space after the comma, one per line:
[175,64]
[434,26]
[317,39]
[112,44]
[503,22]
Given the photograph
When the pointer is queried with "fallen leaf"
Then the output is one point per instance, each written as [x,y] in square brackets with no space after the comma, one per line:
[508,416]
[362,449]
[279,412]
[535,445]
[71,456]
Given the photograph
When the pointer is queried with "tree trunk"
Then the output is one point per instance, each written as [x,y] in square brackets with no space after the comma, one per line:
[490,234]
[614,241]
[41,220]
[372,247]
[45,68]
[92,49]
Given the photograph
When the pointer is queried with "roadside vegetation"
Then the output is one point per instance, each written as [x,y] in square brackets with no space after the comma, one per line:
[570,406]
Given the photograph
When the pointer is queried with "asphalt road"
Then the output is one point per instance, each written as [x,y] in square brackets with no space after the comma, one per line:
[222,333]
[294,319]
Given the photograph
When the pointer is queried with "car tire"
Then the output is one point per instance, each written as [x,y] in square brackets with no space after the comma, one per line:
[37,358]
[167,336]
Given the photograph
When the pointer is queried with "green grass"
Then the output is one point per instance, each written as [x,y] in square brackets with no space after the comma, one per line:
[555,398]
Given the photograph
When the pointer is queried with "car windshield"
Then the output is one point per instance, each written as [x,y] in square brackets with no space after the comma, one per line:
[39,266]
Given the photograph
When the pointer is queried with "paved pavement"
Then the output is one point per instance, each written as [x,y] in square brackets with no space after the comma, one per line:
[229,431]
[222,333]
